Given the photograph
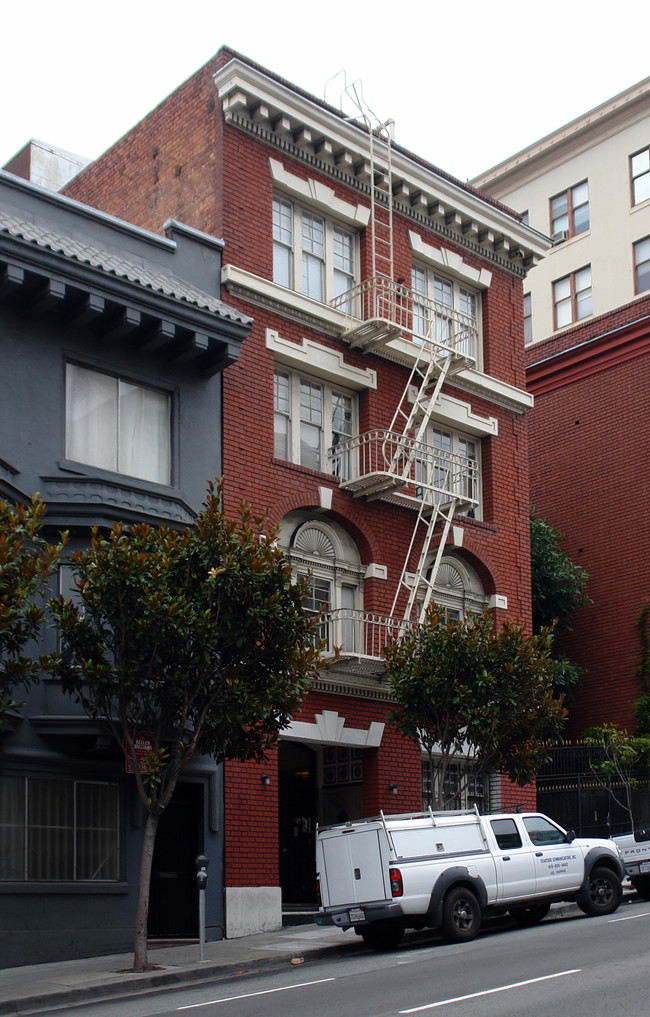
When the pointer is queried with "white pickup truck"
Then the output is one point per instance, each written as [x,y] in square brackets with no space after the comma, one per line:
[449,869]
[635,849]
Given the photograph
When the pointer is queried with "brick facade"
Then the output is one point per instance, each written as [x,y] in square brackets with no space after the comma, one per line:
[591,400]
[185,160]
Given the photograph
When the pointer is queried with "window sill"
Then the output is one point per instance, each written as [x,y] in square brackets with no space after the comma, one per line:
[288,303]
[45,887]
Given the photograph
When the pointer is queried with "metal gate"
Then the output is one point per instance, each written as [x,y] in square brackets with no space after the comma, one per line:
[570,792]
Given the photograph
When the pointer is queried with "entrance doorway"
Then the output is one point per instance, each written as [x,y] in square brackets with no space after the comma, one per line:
[173,900]
[297,816]
[316,785]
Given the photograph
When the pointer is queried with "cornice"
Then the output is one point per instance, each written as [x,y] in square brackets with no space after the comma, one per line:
[340,149]
[579,135]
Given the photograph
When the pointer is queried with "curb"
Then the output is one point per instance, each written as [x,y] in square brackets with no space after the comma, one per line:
[102,991]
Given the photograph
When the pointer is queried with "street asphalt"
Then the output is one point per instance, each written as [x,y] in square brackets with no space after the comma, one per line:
[47,986]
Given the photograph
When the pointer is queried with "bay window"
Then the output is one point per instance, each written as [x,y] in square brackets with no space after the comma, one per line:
[114,424]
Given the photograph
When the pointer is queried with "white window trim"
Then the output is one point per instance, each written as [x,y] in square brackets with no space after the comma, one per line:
[458,415]
[325,429]
[316,194]
[458,435]
[266,293]
[450,262]
[326,259]
[324,363]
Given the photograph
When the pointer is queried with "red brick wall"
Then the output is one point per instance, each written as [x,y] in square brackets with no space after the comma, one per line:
[183,161]
[589,448]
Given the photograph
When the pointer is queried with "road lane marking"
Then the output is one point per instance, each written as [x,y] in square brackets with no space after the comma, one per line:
[628,918]
[248,995]
[490,992]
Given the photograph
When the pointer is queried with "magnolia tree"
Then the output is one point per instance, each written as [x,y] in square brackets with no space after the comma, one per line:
[472,695]
[197,638]
[26,564]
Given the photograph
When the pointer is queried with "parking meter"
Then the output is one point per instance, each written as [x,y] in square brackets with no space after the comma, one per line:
[201,862]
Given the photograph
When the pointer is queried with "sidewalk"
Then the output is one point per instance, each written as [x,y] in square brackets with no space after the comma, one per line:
[44,986]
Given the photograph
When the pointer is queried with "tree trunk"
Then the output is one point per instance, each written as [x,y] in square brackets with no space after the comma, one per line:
[140,959]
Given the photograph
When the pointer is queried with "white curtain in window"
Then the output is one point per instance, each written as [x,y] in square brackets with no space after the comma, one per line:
[91,417]
[144,438]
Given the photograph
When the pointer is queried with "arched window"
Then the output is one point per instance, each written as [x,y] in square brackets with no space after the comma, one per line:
[323,553]
[458,587]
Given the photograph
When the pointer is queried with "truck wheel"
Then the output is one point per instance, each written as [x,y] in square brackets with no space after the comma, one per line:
[642,886]
[382,936]
[605,893]
[461,915]
[530,915]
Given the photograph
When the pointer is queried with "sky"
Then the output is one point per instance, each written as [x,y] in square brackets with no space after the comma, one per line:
[467,83]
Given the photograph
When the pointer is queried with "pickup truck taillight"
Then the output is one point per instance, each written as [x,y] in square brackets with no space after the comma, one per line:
[318,896]
[396,885]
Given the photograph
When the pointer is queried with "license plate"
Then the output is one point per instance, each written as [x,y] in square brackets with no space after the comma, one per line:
[357,914]
[644,867]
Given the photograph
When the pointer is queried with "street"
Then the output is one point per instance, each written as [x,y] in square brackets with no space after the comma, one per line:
[576,965]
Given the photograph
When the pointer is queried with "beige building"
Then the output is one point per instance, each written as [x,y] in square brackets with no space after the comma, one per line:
[587,185]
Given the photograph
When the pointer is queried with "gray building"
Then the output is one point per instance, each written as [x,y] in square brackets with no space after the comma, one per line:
[96,314]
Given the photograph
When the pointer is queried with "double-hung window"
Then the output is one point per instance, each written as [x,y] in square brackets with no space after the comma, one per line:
[58,829]
[444,310]
[116,425]
[311,254]
[570,210]
[448,466]
[640,172]
[642,265]
[311,416]
[572,297]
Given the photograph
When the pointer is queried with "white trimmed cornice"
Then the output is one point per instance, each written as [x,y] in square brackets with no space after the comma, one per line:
[326,363]
[252,100]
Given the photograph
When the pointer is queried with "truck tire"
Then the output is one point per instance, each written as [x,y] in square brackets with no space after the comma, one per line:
[642,886]
[382,936]
[530,915]
[605,893]
[461,915]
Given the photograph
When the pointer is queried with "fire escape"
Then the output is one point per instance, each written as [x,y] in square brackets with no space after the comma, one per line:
[399,463]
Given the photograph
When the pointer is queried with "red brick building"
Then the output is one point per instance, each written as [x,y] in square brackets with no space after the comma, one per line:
[378,411]
[589,447]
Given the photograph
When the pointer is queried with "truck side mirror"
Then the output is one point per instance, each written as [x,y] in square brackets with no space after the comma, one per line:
[569,836]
